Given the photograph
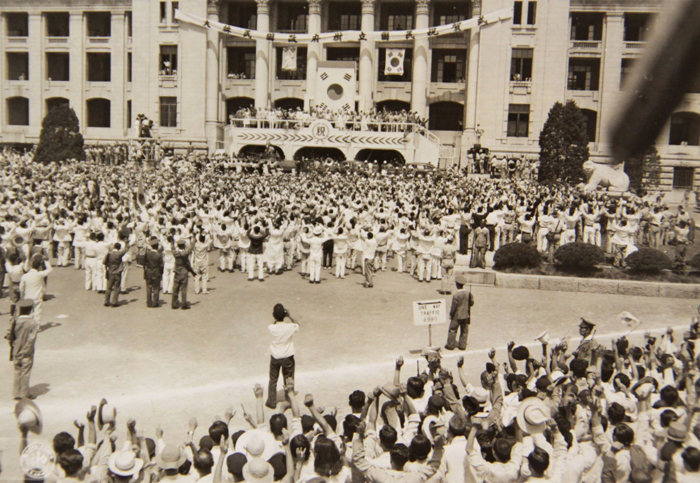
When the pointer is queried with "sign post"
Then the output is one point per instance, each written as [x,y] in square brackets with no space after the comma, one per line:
[429,312]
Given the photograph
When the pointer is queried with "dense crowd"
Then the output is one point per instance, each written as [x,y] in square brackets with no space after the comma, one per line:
[346,120]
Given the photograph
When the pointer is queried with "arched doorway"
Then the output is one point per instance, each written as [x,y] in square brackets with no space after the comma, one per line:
[52,102]
[446,116]
[393,105]
[254,150]
[289,103]
[591,124]
[17,111]
[319,152]
[685,129]
[382,156]
[235,104]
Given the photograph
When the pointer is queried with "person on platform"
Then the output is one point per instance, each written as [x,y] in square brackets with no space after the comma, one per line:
[182,270]
[586,330]
[153,272]
[281,351]
[460,316]
[22,340]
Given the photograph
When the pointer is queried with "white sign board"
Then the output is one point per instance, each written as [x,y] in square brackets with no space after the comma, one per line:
[430,312]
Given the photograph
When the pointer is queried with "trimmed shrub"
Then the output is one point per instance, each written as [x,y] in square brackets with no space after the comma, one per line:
[648,260]
[516,255]
[578,256]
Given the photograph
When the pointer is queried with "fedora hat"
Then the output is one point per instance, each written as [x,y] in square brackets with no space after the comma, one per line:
[479,394]
[533,413]
[258,470]
[318,230]
[125,462]
[391,391]
[677,431]
[18,240]
[106,415]
[171,458]
[28,415]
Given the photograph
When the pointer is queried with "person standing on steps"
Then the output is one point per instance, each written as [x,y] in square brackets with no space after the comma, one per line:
[460,316]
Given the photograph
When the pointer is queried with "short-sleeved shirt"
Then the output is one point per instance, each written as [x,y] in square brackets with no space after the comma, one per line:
[282,345]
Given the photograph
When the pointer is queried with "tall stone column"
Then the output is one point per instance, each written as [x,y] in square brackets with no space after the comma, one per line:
[367,57]
[421,73]
[212,103]
[313,52]
[262,56]
[472,85]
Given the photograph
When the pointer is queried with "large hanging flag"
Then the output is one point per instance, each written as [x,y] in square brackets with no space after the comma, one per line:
[394,61]
[289,58]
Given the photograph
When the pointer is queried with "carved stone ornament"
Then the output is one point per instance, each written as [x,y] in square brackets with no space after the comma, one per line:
[263,7]
[368,6]
[314,7]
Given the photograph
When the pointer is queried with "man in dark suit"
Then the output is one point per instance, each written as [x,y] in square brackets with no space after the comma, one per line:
[152,262]
[114,266]
[182,270]
[460,314]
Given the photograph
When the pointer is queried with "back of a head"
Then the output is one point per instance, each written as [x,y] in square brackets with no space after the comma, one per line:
[217,430]
[415,387]
[501,450]
[71,461]
[350,425]
[669,395]
[578,367]
[62,442]
[203,461]
[400,455]
[300,442]
[420,447]
[327,460]
[691,459]
[623,434]
[538,460]
[388,436]
[616,413]
[356,400]
[235,463]
[278,422]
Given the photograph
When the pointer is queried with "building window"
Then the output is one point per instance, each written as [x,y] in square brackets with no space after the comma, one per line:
[446,116]
[54,102]
[168,59]
[587,26]
[58,66]
[531,13]
[168,111]
[300,73]
[518,120]
[637,27]
[17,25]
[292,17]
[129,24]
[448,66]
[174,6]
[18,66]
[18,111]
[584,74]
[99,67]
[685,129]
[683,177]
[57,24]
[625,69]
[243,15]
[407,67]
[521,65]
[344,16]
[99,24]
[163,12]
[397,16]
[591,123]
[445,13]
[129,66]
[98,112]
[517,13]
[129,115]
[241,62]
[347,54]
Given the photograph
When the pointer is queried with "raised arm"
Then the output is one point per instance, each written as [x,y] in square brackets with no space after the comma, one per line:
[309,403]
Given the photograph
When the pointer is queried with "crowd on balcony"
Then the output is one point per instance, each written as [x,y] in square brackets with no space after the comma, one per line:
[344,119]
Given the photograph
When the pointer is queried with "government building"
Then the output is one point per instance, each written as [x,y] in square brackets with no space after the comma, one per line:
[494,83]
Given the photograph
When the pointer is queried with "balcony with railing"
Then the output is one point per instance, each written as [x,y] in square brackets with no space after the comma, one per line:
[635,46]
[586,46]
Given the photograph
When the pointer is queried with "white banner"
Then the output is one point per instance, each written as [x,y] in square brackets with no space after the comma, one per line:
[289,58]
[430,312]
[349,35]
[394,61]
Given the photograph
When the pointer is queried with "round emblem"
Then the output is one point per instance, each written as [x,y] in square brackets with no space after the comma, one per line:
[37,460]
[335,92]
[320,130]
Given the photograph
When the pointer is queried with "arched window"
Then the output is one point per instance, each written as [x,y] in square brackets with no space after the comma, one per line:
[52,102]
[98,112]
[685,129]
[289,103]
[446,116]
[18,111]
[235,104]
[393,105]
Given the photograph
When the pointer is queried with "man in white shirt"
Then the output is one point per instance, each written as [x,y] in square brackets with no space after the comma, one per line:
[33,284]
[281,351]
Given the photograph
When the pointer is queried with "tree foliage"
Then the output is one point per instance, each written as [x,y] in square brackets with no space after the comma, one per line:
[563,145]
[60,137]
[644,171]
[516,255]
[578,256]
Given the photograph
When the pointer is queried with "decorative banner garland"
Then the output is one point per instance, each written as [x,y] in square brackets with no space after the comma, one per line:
[348,35]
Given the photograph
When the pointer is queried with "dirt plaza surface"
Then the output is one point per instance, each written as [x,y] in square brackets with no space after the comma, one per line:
[163,366]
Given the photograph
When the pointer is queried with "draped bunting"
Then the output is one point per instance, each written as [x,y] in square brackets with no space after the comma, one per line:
[348,35]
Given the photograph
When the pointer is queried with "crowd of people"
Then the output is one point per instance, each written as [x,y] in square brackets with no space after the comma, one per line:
[597,412]
[345,120]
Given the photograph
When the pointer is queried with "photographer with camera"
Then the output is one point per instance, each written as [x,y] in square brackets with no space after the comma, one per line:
[281,351]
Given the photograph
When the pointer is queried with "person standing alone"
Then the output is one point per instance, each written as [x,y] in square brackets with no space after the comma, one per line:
[281,351]
[460,316]
[22,340]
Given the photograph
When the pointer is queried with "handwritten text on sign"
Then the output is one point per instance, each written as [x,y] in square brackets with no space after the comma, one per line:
[430,312]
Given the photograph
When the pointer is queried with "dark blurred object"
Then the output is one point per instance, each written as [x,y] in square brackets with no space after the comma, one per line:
[659,83]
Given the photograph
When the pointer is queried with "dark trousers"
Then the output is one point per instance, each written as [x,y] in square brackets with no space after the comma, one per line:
[328,254]
[180,287]
[458,325]
[114,283]
[153,291]
[492,236]
[287,365]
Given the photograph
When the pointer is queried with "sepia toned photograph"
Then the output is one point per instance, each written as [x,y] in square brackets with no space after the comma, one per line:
[350,241]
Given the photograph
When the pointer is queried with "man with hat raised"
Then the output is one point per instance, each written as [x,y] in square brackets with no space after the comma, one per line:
[153,265]
[22,338]
[182,270]
[460,315]
[586,330]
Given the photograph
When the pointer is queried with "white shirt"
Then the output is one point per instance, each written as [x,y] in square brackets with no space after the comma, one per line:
[282,345]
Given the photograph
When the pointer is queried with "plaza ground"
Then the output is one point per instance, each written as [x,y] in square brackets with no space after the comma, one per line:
[163,366]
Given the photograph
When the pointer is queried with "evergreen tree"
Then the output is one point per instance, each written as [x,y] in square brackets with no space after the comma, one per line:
[60,137]
[644,171]
[563,145]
